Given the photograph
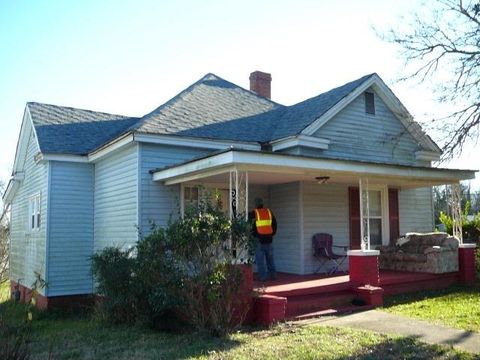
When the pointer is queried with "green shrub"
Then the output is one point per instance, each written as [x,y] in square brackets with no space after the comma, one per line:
[183,273]
[113,269]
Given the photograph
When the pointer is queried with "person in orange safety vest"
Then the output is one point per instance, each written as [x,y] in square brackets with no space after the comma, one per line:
[264,228]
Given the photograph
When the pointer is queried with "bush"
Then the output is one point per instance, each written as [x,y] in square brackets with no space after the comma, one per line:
[114,271]
[184,272]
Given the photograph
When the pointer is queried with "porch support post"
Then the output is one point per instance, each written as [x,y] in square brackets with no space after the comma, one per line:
[364,214]
[456,211]
[238,193]
[239,205]
[466,263]
[363,267]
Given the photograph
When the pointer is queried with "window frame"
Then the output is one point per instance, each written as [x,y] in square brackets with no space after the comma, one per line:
[34,219]
[369,102]
[385,219]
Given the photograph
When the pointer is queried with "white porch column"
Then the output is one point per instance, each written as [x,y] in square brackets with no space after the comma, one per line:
[364,214]
[238,193]
[456,211]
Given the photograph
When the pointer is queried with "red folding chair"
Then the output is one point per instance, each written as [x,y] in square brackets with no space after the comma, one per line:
[323,251]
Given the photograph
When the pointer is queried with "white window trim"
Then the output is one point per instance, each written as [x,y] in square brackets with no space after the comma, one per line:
[385,213]
[35,210]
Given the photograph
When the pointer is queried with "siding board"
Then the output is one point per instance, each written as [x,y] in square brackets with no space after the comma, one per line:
[416,210]
[284,202]
[71,229]
[115,200]
[160,202]
[356,135]
[28,248]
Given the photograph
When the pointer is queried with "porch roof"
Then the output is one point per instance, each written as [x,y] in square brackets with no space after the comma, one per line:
[268,168]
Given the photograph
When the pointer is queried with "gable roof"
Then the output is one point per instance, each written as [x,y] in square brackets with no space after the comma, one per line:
[211,108]
[66,130]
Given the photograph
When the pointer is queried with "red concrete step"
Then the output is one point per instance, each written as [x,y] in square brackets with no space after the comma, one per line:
[331,312]
[309,287]
[304,304]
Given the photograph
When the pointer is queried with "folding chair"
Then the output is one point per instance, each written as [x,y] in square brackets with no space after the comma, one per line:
[322,250]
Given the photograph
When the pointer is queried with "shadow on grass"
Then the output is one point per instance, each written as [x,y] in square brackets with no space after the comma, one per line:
[68,335]
[408,348]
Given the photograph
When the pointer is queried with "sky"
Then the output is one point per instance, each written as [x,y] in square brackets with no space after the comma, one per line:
[129,57]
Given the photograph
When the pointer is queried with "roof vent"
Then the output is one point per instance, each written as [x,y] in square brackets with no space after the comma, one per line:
[260,83]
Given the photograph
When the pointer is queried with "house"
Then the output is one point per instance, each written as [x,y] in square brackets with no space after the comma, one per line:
[84,180]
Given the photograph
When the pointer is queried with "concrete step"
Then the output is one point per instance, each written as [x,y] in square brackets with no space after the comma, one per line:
[305,304]
[330,312]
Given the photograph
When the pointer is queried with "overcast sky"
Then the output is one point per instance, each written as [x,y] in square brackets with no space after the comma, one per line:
[128,57]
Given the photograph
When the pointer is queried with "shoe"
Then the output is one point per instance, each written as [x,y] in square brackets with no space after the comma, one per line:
[273,276]
[262,279]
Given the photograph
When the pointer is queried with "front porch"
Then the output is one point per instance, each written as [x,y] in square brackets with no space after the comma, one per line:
[361,204]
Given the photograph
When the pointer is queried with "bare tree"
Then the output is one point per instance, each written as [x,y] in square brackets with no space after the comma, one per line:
[442,47]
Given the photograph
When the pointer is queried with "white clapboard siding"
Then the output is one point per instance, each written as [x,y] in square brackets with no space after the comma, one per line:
[115,200]
[416,210]
[28,248]
[70,244]
[355,135]
[325,210]
[284,202]
[157,201]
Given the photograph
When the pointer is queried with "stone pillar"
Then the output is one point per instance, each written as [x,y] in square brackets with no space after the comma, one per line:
[466,263]
[363,267]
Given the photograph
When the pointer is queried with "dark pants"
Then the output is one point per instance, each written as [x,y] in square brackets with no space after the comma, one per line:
[264,252]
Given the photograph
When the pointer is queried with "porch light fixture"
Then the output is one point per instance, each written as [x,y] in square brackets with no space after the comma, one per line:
[322,179]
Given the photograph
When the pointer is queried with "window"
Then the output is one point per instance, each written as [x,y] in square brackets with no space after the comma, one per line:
[190,196]
[34,211]
[377,218]
[370,103]
[375,221]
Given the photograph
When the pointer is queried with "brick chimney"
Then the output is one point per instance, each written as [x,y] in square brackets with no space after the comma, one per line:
[260,83]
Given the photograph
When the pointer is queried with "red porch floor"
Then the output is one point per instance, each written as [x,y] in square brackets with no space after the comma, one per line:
[312,295]
[291,284]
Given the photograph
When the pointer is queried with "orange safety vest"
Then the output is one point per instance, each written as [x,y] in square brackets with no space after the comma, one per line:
[263,221]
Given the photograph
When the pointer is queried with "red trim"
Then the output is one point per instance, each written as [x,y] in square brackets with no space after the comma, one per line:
[354,216]
[394,215]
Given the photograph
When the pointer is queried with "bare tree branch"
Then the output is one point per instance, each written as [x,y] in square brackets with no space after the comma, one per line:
[443,48]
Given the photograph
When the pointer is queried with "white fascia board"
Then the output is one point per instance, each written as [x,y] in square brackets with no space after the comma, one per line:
[22,143]
[208,164]
[300,140]
[112,146]
[12,187]
[62,157]
[423,155]
[195,142]
[318,123]
[289,164]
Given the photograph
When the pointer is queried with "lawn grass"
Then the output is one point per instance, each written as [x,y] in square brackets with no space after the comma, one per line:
[59,336]
[457,306]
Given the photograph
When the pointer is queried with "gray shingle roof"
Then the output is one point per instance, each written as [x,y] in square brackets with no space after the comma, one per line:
[67,130]
[210,108]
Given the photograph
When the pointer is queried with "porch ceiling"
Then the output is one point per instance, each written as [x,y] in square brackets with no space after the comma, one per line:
[273,168]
